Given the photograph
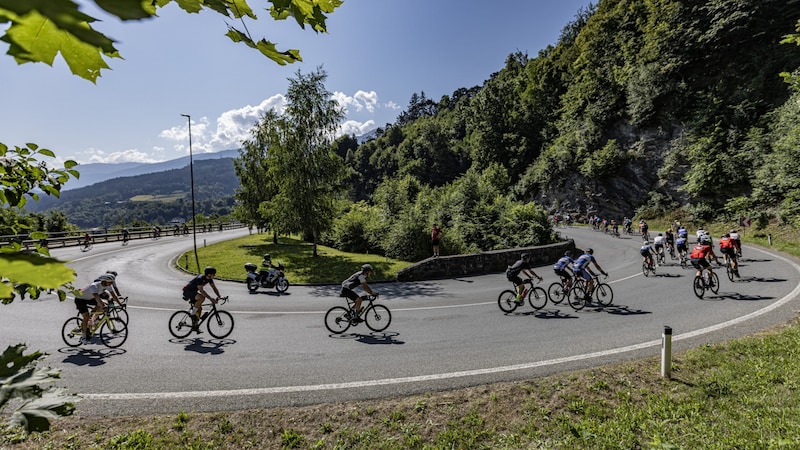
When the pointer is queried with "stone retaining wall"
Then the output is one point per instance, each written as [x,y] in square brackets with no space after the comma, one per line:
[482,263]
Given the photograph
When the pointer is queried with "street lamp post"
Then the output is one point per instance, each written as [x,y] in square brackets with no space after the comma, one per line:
[191,176]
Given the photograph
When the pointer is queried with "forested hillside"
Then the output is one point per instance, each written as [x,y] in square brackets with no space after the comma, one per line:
[154,198]
[646,107]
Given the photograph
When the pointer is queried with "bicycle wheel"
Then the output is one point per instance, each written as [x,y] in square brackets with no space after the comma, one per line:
[220,324]
[180,324]
[645,269]
[604,294]
[114,332]
[507,301]
[699,287]
[729,271]
[337,319]
[377,317]
[715,283]
[71,332]
[537,298]
[576,297]
[556,293]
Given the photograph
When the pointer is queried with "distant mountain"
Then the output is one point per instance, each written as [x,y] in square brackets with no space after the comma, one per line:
[156,198]
[98,172]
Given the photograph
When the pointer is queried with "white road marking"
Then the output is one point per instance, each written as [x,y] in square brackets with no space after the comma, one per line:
[444,376]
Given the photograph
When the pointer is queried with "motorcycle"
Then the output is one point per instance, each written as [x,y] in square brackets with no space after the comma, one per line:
[266,278]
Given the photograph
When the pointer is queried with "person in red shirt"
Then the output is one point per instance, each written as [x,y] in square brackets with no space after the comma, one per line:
[727,247]
[699,256]
[436,236]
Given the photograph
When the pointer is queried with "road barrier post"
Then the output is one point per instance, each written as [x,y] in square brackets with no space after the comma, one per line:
[666,352]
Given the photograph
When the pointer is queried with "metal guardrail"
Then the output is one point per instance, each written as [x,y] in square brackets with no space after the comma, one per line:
[76,238]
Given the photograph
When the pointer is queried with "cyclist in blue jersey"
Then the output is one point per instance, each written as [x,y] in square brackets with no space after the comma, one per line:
[581,269]
[560,268]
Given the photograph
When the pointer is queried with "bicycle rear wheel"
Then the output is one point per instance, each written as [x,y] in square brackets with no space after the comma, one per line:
[576,298]
[604,294]
[71,332]
[114,332]
[220,324]
[699,287]
[337,320]
[507,301]
[537,298]
[377,317]
[556,293]
[180,324]
[729,271]
[645,269]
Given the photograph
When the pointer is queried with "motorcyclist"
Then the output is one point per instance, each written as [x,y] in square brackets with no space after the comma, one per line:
[269,268]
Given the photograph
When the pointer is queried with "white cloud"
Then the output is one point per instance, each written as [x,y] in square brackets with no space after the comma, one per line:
[392,105]
[353,127]
[132,155]
[360,101]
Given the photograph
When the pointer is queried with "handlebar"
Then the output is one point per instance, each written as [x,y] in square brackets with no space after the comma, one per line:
[222,300]
[530,280]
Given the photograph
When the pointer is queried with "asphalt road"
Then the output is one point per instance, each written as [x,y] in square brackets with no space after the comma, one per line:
[444,334]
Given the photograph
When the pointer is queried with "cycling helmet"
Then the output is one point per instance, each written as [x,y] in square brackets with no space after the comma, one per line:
[112,272]
[367,267]
[660,234]
[727,235]
[568,253]
[646,242]
[704,239]
[733,231]
[590,251]
[267,257]
[524,256]
[106,277]
[210,271]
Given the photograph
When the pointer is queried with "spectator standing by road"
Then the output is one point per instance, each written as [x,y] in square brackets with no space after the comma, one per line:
[436,236]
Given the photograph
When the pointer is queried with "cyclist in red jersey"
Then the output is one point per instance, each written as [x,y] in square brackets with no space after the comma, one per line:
[699,256]
[727,247]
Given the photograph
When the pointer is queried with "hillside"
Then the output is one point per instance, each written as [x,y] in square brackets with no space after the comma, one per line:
[641,107]
[154,197]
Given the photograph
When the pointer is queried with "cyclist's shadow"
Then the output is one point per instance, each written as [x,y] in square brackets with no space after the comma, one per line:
[371,338]
[208,347]
[83,356]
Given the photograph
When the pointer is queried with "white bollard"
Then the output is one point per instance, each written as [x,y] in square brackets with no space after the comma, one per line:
[666,352]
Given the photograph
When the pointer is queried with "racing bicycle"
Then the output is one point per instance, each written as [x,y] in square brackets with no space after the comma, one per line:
[537,297]
[704,282]
[602,292]
[113,330]
[377,317]
[219,322]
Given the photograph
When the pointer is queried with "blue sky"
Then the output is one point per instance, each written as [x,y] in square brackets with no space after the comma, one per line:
[377,53]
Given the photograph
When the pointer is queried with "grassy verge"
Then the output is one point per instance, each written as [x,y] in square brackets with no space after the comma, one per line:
[330,265]
[740,394]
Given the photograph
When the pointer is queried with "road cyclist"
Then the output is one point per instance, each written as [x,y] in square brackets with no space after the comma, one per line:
[88,297]
[658,247]
[562,268]
[195,293]
[353,281]
[738,241]
[669,241]
[682,247]
[118,307]
[523,265]
[580,268]
[126,236]
[727,246]
[648,264]
[699,259]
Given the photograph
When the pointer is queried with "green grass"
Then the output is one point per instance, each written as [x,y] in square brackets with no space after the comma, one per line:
[301,267]
[741,394]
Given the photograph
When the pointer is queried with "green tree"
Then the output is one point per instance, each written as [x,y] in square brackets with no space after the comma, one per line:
[40,30]
[301,162]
